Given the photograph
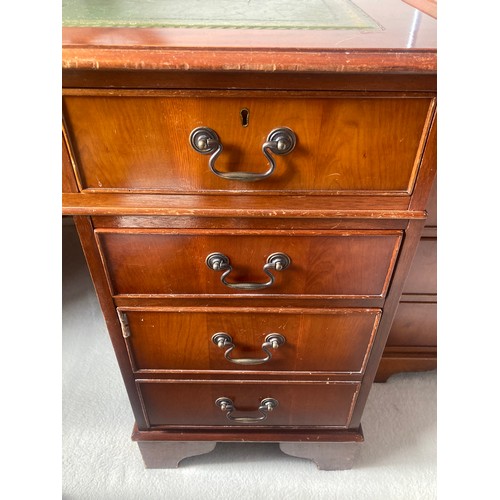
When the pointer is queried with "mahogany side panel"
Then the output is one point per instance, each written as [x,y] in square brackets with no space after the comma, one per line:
[412,238]
[85,232]
[412,342]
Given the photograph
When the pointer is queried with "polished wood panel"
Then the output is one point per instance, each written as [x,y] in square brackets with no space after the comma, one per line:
[169,262]
[343,144]
[173,339]
[415,324]
[299,403]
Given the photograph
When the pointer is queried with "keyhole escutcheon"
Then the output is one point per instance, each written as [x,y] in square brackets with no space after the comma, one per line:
[245,117]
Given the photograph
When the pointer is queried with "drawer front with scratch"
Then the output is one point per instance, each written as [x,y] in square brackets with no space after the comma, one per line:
[213,403]
[305,263]
[203,339]
[338,144]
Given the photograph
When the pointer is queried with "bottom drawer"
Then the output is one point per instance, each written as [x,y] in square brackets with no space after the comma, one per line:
[194,403]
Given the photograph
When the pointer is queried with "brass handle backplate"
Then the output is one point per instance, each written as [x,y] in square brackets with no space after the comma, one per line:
[280,141]
[227,405]
[219,262]
[224,341]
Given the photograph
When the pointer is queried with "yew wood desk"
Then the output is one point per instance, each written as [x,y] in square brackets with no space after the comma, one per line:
[250,190]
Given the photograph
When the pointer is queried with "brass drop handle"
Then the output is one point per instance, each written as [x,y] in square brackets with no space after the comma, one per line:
[219,262]
[280,141]
[227,405]
[224,341]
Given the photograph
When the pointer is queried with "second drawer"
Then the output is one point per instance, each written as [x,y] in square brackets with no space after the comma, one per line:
[334,340]
[343,264]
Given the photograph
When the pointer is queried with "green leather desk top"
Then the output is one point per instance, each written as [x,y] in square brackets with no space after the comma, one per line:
[248,14]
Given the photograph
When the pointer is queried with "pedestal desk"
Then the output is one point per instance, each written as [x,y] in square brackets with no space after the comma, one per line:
[250,186]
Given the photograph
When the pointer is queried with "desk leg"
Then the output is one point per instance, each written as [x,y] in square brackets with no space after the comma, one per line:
[327,456]
[168,454]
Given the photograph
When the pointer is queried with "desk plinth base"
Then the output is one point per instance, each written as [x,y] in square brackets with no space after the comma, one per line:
[329,450]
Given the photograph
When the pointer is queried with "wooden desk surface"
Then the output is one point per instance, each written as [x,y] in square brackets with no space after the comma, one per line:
[389,36]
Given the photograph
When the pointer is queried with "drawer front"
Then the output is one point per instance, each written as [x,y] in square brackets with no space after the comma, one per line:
[342,144]
[334,341]
[415,325]
[422,278]
[173,403]
[323,263]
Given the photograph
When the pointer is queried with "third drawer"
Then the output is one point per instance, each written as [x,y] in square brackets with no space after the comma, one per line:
[202,339]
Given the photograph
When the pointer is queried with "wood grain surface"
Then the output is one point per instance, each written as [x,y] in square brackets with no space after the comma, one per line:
[162,339]
[323,263]
[141,143]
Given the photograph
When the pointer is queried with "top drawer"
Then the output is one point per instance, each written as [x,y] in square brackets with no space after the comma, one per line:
[142,142]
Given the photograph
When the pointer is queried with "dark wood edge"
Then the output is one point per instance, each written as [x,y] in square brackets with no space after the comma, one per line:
[245,301]
[86,56]
[429,232]
[186,222]
[410,352]
[245,206]
[418,298]
[256,93]
[319,377]
[427,170]
[401,360]
[250,435]
[192,80]
[69,183]
[261,310]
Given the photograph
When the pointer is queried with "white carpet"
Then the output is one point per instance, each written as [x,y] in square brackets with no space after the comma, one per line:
[397,460]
